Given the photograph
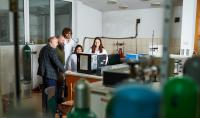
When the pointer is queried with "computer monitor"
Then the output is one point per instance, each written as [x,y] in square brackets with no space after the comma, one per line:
[90,63]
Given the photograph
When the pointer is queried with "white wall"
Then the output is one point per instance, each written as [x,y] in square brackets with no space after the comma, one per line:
[7,69]
[188,27]
[122,23]
[89,22]
[176,26]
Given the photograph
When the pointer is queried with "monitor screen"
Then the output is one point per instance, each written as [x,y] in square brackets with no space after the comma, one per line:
[101,60]
[89,63]
[84,62]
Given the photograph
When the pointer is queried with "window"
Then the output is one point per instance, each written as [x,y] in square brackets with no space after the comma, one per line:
[63,15]
[39,21]
[6,21]
[21,21]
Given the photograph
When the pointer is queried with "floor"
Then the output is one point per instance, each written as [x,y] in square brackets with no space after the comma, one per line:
[30,105]
[35,101]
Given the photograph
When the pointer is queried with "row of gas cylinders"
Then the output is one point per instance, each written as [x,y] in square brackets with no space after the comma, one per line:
[179,97]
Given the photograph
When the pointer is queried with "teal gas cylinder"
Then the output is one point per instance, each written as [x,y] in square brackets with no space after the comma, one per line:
[192,68]
[180,98]
[27,63]
[109,108]
[130,101]
[81,108]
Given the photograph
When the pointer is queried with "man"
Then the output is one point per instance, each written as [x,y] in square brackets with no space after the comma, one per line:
[48,66]
[60,49]
[61,79]
[69,43]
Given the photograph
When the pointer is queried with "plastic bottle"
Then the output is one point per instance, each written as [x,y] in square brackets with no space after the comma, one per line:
[120,52]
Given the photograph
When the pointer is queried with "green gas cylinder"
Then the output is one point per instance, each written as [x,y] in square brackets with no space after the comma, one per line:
[180,98]
[27,63]
[81,108]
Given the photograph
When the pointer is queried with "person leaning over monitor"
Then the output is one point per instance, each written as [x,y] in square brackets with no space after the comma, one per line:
[48,67]
[98,48]
[72,63]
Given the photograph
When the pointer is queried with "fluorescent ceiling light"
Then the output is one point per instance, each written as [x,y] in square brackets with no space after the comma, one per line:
[123,7]
[112,1]
[155,4]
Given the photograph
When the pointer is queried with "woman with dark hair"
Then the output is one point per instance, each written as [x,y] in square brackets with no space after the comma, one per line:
[97,47]
[72,63]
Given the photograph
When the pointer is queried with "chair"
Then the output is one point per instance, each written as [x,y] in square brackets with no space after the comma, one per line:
[51,101]
[67,105]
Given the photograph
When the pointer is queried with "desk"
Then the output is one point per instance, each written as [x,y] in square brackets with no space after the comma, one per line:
[72,77]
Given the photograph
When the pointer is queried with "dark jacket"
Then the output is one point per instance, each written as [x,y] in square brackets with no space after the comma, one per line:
[49,64]
[61,54]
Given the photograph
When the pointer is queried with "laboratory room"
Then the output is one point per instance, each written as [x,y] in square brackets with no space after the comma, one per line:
[99,58]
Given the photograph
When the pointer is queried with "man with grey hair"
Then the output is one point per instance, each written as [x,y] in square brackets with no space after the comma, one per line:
[48,66]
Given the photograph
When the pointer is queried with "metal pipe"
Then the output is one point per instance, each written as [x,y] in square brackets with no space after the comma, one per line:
[13,6]
[168,9]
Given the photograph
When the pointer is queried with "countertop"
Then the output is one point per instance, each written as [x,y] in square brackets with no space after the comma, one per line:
[98,87]
[84,75]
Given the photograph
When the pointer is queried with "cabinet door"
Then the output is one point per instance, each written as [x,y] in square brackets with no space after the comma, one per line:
[98,103]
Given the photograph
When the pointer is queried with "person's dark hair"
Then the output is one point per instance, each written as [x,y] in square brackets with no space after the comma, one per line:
[77,48]
[66,30]
[94,46]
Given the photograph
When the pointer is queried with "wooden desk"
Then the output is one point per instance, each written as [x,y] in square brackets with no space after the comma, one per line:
[72,77]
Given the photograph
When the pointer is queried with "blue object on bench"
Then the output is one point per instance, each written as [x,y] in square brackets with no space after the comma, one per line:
[132,57]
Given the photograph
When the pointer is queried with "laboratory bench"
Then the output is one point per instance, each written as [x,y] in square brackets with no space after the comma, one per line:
[72,77]
[100,96]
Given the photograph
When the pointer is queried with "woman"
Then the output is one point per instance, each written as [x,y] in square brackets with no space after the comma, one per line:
[97,48]
[72,63]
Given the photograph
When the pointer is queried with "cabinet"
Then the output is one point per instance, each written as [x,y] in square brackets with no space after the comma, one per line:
[99,98]
[72,77]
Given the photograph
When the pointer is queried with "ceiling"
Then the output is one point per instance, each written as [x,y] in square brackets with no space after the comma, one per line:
[102,5]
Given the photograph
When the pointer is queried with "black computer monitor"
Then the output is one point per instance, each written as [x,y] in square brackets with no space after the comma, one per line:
[90,63]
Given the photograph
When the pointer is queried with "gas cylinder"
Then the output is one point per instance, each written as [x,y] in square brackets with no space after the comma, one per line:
[81,108]
[192,68]
[27,63]
[180,98]
[132,101]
